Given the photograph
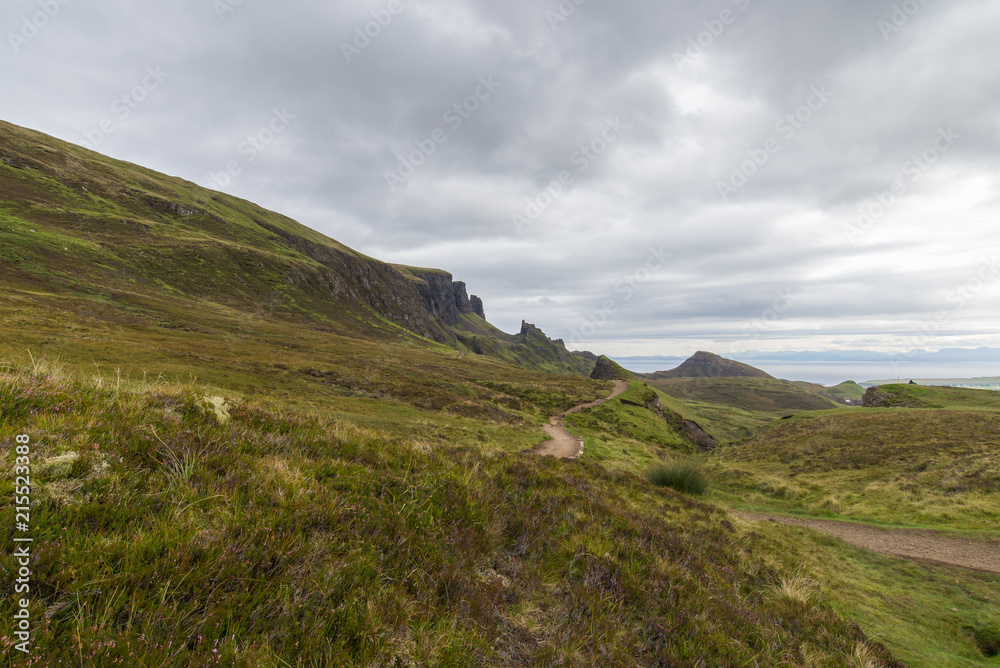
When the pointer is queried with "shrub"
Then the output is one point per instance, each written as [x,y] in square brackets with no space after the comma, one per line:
[683,476]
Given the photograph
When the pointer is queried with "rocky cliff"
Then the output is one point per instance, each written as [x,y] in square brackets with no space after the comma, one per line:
[445,297]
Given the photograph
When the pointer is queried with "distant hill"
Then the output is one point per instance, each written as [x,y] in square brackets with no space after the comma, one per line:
[732,399]
[709,365]
[848,391]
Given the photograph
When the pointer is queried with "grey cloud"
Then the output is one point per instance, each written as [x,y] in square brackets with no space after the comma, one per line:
[656,185]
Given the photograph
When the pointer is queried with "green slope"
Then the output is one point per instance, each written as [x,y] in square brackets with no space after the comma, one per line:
[846,390]
[928,467]
[106,232]
[929,396]
[752,394]
[732,408]
[145,250]
[207,535]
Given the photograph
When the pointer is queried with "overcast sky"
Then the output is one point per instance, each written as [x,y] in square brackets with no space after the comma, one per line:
[637,177]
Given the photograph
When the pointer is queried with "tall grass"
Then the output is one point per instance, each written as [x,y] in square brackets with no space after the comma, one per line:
[683,476]
[282,538]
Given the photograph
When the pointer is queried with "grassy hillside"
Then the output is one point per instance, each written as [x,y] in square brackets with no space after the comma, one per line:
[926,396]
[116,243]
[752,394]
[252,446]
[734,408]
[105,233]
[936,468]
[173,531]
[846,390]
[528,349]
[622,435]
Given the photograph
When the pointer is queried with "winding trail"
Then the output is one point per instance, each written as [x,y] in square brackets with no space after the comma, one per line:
[563,444]
[978,555]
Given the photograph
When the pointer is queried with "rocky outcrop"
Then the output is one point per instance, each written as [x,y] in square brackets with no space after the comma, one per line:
[350,278]
[530,348]
[892,396]
[446,298]
[606,369]
[477,306]
[466,304]
[694,433]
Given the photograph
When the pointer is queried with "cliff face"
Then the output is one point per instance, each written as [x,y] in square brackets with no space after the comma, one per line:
[466,304]
[356,279]
[445,297]
[477,306]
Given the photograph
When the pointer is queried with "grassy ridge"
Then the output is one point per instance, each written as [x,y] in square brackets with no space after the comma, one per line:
[77,223]
[112,240]
[237,353]
[170,532]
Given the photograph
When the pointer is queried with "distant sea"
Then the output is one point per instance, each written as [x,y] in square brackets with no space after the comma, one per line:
[835,372]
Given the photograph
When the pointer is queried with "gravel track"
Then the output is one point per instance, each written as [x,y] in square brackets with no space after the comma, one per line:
[561,443]
[978,555]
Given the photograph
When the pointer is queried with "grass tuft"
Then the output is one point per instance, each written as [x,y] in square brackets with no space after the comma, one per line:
[682,476]
[987,639]
[797,588]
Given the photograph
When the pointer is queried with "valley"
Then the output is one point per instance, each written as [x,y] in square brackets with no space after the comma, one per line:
[254,446]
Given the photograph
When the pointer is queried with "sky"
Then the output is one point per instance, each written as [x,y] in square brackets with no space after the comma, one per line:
[637,178]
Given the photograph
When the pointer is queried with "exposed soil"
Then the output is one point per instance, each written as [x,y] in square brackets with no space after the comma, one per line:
[911,543]
[563,444]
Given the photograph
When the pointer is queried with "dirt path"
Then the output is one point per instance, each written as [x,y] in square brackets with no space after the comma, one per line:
[563,444]
[912,543]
